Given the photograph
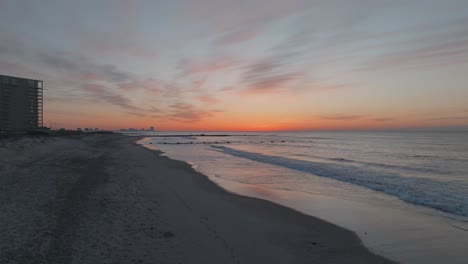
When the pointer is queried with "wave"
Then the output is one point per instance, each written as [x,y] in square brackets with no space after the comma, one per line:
[443,196]
[342,160]
[374,164]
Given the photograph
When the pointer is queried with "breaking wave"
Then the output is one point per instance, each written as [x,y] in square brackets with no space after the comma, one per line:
[420,191]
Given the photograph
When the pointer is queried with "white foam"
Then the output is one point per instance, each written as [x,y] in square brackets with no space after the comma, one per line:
[421,191]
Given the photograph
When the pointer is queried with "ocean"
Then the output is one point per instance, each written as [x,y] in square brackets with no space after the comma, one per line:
[394,189]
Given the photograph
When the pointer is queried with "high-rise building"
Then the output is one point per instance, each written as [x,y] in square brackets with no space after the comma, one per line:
[20,104]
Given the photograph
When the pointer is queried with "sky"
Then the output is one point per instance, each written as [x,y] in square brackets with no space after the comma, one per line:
[223,65]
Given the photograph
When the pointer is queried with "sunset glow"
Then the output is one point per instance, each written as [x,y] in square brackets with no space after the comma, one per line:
[251,66]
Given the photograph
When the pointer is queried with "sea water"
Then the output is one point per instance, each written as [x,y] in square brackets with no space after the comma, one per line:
[404,193]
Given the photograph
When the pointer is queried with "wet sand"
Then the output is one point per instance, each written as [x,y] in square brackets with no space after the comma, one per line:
[105,199]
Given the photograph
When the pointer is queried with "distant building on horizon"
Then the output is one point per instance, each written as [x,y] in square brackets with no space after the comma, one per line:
[21,104]
[131,129]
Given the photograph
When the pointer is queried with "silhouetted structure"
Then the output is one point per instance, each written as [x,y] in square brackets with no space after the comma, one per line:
[20,104]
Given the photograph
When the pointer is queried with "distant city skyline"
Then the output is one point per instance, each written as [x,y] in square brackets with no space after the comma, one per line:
[150,129]
[266,65]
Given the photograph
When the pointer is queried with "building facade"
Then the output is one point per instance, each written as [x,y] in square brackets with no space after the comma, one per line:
[21,104]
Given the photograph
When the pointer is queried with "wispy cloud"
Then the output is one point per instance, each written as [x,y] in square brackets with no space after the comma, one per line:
[268,76]
[137,114]
[384,119]
[104,94]
[149,86]
[450,51]
[188,67]
[208,99]
[420,46]
[183,112]
[449,118]
[236,37]
[81,67]
[341,117]
[189,116]
[307,52]
[227,89]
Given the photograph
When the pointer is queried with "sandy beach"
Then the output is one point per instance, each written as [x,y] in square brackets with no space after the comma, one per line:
[105,199]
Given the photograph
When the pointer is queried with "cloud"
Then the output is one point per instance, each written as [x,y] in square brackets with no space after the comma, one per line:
[15,69]
[66,73]
[181,106]
[117,44]
[329,87]
[197,85]
[238,19]
[78,78]
[81,67]
[103,93]
[208,99]
[268,75]
[269,83]
[236,37]
[450,51]
[183,112]
[137,114]
[149,86]
[285,69]
[341,117]
[189,115]
[192,68]
[454,118]
[420,46]
[384,119]
[227,89]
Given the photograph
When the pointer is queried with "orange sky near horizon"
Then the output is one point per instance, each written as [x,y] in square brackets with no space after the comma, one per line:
[231,122]
[264,65]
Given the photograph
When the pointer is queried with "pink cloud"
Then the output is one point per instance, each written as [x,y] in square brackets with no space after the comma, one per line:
[105,94]
[227,89]
[181,106]
[236,37]
[384,119]
[183,112]
[150,86]
[442,49]
[208,99]
[198,84]
[271,83]
[341,117]
[329,87]
[268,75]
[94,88]
[206,67]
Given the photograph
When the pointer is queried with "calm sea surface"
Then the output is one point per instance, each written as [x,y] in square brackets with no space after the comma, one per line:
[411,173]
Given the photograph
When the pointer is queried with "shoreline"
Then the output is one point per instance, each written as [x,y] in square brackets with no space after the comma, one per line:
[386,225]
[111,200]
[281,209]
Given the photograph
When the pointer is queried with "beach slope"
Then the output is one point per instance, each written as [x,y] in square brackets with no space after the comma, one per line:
[105,199]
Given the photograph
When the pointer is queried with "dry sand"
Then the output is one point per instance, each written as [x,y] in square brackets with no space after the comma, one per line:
[104,199]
